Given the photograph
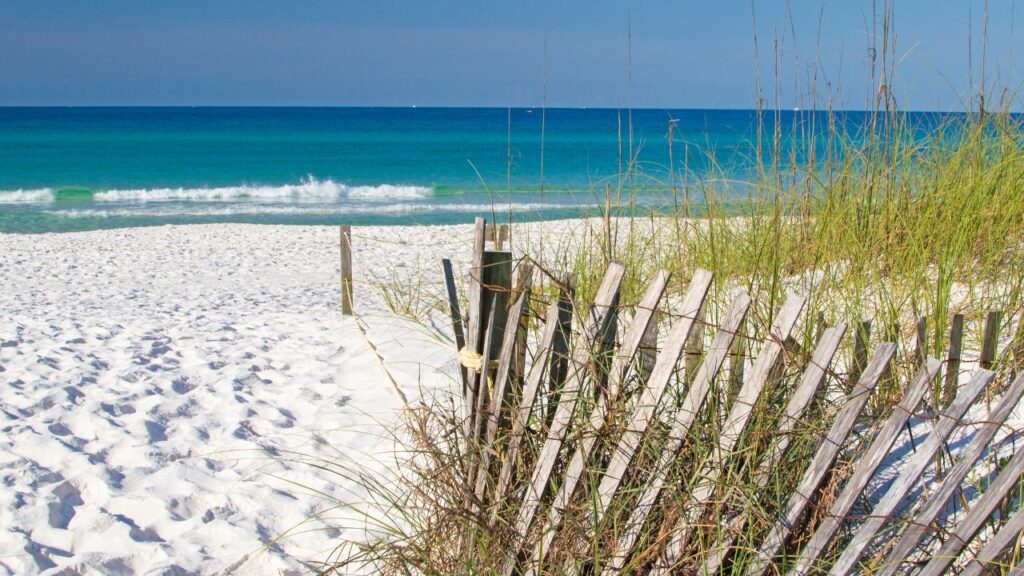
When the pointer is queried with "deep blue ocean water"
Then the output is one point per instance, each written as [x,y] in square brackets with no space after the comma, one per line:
[65,169]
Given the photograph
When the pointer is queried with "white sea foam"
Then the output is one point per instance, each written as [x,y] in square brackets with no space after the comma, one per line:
[26,196]
[309,189]
[389,192]
[293,210]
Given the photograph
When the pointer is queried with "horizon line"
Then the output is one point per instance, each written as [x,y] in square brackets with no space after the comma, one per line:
[473,107]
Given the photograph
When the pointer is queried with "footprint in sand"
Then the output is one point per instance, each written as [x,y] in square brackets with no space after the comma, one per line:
[157,432]
[63,510]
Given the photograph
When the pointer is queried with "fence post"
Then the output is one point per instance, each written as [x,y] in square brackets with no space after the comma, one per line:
[860,349]
[475,324]
[922,341]
[345,243]
[496,277]
[956,344]
[991,339]
[694,347]
[456,314]
[560,344]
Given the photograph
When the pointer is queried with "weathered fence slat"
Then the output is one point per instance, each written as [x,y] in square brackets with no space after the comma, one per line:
[453,309]
[865,467]
[593,333]
[681,422]
[475,320]
[645,315]
[515,450]
[813,375]
[980,512]
[521,416]
[643,409]
[922,522]
[823,459]
[481,376]
[501,377]
[498,234]
[925,455]
[987,558]
[739,414]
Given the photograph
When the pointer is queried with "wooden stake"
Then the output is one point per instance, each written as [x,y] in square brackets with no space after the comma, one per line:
[1003,539]
[695,345]
[922,340]
[956,345]
[345,243]
[456,314]
[476,326]
[990,343]
[648,351]
[646,316]
[502,377]
[521,416]
[560,346]
[497,288]
[643,409]
[860,349]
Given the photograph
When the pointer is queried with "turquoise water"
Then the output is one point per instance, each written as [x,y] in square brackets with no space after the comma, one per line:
[65,169]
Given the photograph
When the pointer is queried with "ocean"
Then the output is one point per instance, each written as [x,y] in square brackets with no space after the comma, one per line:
[67,169]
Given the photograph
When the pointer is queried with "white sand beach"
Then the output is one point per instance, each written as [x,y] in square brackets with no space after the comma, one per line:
[174,399]
[161,388]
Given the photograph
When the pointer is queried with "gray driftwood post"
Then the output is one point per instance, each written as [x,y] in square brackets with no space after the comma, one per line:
[861,337]
[990,344]
[456,314]
[345,243]
[497,287]
[560,345]
[475,323]
[956,345]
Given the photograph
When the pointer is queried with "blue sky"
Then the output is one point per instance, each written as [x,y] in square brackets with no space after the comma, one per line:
[685,54]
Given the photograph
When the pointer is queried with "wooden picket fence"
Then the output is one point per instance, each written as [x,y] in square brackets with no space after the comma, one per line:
[568,433]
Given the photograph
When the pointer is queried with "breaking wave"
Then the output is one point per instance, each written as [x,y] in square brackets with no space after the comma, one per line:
[26,196]
[311,189]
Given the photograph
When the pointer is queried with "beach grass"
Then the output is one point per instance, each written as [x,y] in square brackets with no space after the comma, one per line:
[892,225]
